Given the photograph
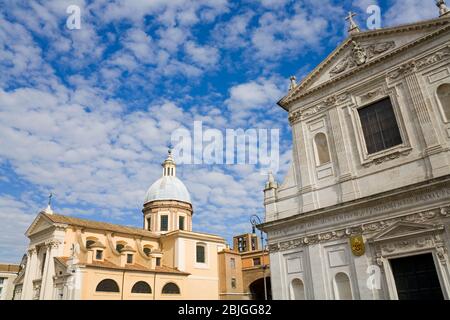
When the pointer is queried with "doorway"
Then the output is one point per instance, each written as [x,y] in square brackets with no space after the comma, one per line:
[257,289]
[416,278]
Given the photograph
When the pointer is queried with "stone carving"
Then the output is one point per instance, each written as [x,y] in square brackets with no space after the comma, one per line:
[360,55]
[294,117]
[378,48]
[371,227]
[32,250]
[314,110]
[387,157]
[435,58]
[372,94]
[412,66]
[404,70]
[328,102]
[52,243]
[445,211]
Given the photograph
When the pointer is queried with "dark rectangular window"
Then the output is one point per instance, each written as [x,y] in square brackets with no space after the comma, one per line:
[181,223]
[256,261]
[149,223]
[44,257]
[233,283]
[129,258]
[158,262]
[200,254]
[164,223]
[379,126]
[99,254]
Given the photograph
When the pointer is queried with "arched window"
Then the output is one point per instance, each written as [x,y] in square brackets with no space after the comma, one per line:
[343,289]
[297,290]
[171,288]
[141,287]
[443,92]
[321,146]
[200,253]
[107,285]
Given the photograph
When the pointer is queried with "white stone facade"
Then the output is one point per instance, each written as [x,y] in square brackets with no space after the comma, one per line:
[397,199]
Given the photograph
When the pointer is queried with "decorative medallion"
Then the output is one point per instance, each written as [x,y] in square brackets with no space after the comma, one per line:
[357,245]
[359,54]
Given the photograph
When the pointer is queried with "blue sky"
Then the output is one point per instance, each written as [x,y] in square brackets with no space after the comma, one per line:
[88,114]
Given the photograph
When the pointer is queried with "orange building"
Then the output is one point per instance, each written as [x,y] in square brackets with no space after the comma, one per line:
[243,269]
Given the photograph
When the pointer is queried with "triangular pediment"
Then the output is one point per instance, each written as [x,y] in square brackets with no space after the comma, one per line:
[39,224]
[405,229]
[364,49]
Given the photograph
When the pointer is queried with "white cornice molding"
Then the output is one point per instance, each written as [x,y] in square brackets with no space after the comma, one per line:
[297,93]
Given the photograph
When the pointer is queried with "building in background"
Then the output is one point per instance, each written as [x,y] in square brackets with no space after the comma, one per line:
[243,269]
[8,273]
[364,211]
[72,258]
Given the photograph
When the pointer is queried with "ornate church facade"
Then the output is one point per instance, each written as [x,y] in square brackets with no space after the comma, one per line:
[364,211]
[71,258]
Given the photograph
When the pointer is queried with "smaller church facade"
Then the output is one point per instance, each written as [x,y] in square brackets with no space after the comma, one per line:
[364,211]
[70,258]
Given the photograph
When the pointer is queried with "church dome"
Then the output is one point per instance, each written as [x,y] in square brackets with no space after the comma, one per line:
[168,187]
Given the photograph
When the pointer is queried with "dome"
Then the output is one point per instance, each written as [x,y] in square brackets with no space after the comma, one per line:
[168,188]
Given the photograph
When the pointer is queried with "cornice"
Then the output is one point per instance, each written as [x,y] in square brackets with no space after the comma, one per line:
[296,93]
[417,188]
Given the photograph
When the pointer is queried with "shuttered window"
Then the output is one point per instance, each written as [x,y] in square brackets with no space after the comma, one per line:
[379,126]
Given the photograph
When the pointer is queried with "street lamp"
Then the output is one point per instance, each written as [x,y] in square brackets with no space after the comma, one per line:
[255,220]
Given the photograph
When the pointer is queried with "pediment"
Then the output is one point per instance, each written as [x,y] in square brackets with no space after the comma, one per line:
[363,49]
[405,229]
[40,223]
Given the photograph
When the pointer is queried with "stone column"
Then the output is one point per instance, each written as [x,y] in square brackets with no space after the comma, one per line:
[30,274]
[343,155]
[49,271]
[408,72]
[300,161]
[418,100]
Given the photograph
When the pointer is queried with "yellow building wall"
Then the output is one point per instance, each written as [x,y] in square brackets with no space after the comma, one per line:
[126,280]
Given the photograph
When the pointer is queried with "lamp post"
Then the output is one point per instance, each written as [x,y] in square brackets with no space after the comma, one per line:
[255,220]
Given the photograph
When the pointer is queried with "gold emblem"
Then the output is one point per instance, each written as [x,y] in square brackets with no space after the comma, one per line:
[357,245]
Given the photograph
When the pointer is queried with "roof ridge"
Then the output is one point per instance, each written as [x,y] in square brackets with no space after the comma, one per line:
[75,219]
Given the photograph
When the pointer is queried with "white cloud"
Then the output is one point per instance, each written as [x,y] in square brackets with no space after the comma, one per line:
[66,126]
[280,35]
[253,95]
[409,11]
[16,215]
[204,56]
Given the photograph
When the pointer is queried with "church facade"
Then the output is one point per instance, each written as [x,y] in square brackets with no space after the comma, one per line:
[364,211]
[70,258]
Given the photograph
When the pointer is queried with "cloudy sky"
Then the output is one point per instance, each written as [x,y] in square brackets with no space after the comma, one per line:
[88,114]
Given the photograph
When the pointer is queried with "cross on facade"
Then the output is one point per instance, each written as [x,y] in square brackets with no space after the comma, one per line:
[353,26]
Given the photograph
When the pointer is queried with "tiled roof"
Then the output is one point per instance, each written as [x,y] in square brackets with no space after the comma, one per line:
[9,268]
[85,223]
[130,267]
